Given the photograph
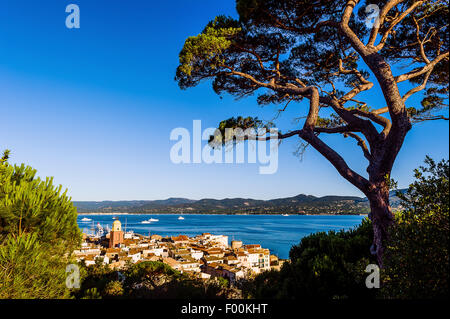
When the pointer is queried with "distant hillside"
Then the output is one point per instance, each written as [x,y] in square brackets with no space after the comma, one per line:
[300,204]
[124,206]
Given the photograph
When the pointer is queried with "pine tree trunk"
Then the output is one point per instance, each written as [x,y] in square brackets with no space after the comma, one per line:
[382,218]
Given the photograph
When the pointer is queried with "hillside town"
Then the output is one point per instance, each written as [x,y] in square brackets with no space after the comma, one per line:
[203,256]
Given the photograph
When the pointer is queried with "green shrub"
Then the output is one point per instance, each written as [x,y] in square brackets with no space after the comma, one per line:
[417,259]
[150,279]
[324,265]
[38,231]
[113,289]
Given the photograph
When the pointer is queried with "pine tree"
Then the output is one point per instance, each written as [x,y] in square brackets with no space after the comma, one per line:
[38,232]
[329,55]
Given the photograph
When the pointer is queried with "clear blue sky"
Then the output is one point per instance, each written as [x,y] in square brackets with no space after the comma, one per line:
[94,107]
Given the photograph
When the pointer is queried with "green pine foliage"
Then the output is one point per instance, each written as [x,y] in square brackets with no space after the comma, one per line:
[280,41]
[209,45]
[149,279]
[38,231]
[417,258]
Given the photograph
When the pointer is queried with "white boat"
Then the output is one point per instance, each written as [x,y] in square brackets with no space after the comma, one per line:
[153,220]
[99,230]
[85,219]
[180,218]
[285,215]
[145,222]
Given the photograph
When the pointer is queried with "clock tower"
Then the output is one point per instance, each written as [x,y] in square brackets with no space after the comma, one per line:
[116,234]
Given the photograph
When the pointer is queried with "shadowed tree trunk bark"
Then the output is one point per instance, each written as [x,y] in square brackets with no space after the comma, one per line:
[382,218]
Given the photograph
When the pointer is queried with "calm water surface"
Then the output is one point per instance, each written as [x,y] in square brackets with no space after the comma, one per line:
[278,233]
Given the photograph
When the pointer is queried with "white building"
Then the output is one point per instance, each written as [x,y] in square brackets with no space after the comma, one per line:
[220,239]
[259,259]
[157,251]
[196,254]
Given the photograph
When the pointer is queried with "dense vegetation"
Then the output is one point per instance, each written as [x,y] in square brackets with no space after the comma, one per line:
[149,280]
[323,265]
[331,265]
[38,230]
[417,259]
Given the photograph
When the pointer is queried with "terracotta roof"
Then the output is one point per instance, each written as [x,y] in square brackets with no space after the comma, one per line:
[213,265]
[171,262]
[252,246]
[180,238]
[259,251]
[231,258]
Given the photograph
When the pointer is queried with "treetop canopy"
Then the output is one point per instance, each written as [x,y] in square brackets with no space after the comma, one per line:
[278,44]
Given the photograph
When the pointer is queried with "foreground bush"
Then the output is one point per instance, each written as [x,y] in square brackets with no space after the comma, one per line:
[417,259]
[151,279]
[324,265]
[38,231]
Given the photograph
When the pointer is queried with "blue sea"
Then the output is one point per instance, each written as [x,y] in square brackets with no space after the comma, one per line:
[277,233]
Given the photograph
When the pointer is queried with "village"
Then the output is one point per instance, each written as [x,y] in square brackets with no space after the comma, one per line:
[204,256]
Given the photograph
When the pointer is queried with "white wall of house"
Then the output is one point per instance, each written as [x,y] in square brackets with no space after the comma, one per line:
[89,262]
[221,239]
[104,258]
[135,257]
[197,254]
[157,251]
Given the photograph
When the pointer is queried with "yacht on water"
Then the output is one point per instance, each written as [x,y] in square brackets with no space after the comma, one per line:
[180,218]
[149,221]
[85,219]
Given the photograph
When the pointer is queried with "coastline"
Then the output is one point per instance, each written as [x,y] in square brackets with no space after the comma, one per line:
[264,229]
[240,214]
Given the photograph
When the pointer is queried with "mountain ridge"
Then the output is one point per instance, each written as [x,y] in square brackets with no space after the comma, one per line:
[299,204]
